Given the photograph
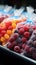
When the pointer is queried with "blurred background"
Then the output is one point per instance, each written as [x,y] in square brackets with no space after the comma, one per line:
[19,2]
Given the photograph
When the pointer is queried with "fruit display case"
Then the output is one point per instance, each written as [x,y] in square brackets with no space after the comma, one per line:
[23,19]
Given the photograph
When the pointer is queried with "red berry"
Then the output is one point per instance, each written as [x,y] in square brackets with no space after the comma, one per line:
[8,24]
[16,35]
[31,50]
[17,49]
[10,28]
[3,32]
[20,27]
[4,28]
[14,43]
[34,27]
[27,48]
[26,28]
[9,45]
[20,45]
[11,39]
[1,35]
[34,43]
[21,30]
[27,34]
[0,29]
[21,50]
[24,39]
[23,46]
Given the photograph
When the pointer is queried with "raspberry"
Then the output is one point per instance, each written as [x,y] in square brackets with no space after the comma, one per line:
[0,29]
[16,35]
[31,50]
[8,24]
[18,40]
[1,35]
[34,43]
[21,30]
[34,27]
[23,46]
[27,48]
[26,28]
[31,31]
[10,28]
[11,39]
[24,39]
[14,43]
[17,49]
[27,34]
[3,32]
[9,45]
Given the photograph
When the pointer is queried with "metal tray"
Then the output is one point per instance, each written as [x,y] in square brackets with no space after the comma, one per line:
[12,53]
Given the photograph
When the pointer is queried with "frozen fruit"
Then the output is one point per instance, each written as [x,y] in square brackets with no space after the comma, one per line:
[9,45]
[34,43]
[21,31]
[31,31]
[23,46]
[27,34]
[6,30]
[17,49]
[24,39]
[15,35]
[27,48]
[30,42]
[13,25]
[9,32]
[6,36]
[11,39]
[26,28]
[8,24]
[0,29]
[31,50]
[20,45]
[1,35]
[19,40]
[10,28]
[3,32]
[14,43]
[34,32]
[34,27]
[33,37]
[2,39]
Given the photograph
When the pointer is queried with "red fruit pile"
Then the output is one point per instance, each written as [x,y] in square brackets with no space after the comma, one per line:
[6,29]
[24,41]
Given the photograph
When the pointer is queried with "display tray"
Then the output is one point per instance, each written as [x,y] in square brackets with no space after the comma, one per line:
[14,54]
